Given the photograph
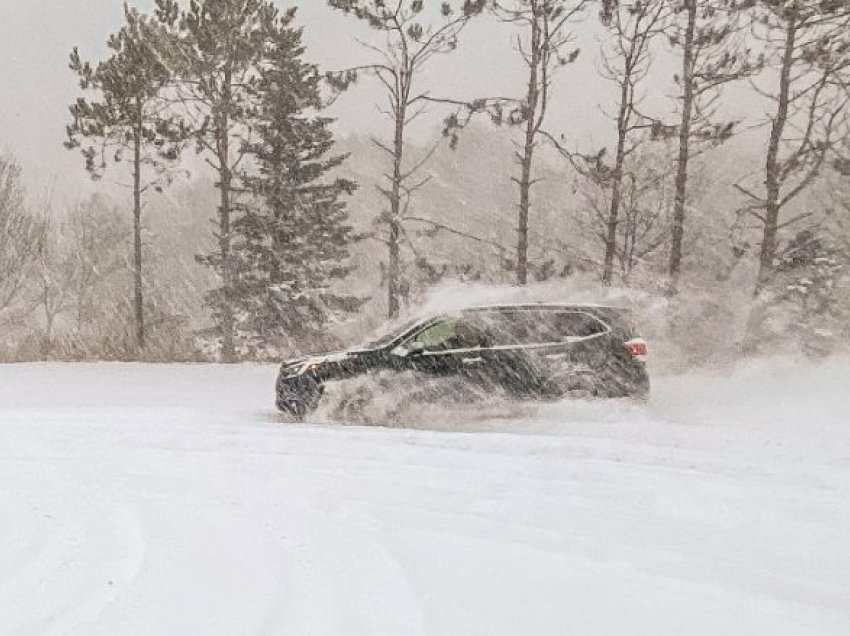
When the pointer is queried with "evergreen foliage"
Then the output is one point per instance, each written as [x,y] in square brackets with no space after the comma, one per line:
[808,47]
[291,241]
[250,102]
[216,48]
[128,121]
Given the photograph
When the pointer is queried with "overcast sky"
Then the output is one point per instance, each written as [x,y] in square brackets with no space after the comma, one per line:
[36,39]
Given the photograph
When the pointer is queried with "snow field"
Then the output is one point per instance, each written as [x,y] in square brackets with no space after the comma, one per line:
[170,500]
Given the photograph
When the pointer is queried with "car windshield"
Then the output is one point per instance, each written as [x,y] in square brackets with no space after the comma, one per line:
[385,334]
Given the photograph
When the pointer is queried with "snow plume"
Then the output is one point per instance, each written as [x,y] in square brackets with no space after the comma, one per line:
[798,406]
[685,331]
[712,325]
[449,296]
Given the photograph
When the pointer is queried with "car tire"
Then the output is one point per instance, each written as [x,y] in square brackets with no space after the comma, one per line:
[298,408]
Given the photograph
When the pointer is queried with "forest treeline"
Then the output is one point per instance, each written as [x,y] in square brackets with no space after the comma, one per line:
[290,239]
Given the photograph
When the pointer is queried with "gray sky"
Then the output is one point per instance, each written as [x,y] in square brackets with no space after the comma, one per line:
[36,39]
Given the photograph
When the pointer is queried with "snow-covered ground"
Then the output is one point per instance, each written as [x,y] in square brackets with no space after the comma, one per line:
[168,500]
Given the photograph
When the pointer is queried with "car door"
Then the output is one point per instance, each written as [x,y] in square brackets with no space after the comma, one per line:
[543,352]
[569,356]
[452,346]
[511,335]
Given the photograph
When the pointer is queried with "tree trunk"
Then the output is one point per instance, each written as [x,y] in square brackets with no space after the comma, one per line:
[772,168]
[678,229]
[228,348]
[395,221]
[616,186]
[49,318]
[47,345]
[526,162]
[138,296]
[526,158]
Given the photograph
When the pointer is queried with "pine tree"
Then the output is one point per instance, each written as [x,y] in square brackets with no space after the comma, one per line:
[708,35]
[626,61]
[291,243]
[808,47]
[217,47]
[544,43]
[128,123]
[409,35]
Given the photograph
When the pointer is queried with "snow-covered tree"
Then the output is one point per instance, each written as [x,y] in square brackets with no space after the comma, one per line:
[643,185]
[805,298]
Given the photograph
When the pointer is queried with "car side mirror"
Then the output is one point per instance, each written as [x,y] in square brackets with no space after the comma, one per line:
[412,350]
[415,349]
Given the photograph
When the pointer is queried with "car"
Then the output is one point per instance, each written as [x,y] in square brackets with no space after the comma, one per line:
[535,350]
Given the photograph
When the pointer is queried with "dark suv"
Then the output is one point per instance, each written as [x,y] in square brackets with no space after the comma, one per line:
[540,351]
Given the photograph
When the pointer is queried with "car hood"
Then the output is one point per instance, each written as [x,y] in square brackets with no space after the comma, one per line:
[303,363]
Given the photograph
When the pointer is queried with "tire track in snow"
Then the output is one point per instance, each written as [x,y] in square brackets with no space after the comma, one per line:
[77,562]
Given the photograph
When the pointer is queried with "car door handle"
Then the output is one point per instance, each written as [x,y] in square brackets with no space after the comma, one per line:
[472,360]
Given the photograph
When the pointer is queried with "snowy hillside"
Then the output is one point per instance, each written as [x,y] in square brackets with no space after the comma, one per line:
[168,500]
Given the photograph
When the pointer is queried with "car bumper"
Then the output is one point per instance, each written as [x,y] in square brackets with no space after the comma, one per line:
[297,394]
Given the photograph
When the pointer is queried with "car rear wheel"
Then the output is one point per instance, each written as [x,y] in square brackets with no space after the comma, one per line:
[584,381]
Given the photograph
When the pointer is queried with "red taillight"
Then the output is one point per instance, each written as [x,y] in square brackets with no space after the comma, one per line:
[637,348]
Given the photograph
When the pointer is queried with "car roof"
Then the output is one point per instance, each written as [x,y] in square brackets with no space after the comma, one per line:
[544,306]
[604,312]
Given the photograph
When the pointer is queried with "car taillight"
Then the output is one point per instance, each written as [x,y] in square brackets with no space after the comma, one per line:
[637,348]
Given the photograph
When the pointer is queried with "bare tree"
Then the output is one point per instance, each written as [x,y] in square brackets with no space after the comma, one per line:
[643,212]
[55,282]
[18,235]
[410,34]
[76,256]
[809,45]
[837,204]
[634,26]
[841,160]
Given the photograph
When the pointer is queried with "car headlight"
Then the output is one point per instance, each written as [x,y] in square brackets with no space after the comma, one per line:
[292,369]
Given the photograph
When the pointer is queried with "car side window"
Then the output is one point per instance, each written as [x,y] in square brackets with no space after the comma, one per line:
[510,328]
[437,336]
[447,335]
[535,327]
